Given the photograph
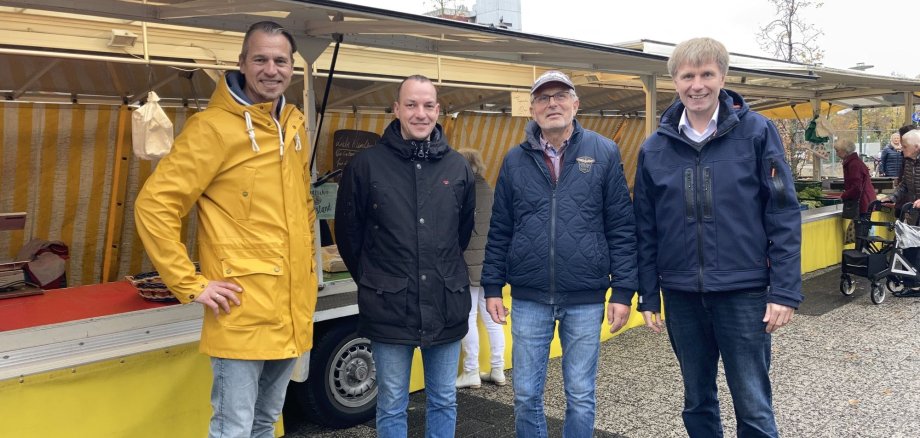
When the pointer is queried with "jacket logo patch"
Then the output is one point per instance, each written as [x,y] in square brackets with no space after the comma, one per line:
[584,164]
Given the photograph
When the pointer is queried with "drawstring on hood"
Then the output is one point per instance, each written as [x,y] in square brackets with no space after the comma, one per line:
[415,150]
[251,131]
[420,150]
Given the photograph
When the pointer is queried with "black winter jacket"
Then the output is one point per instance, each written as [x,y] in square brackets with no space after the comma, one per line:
[568,242]
[404,215]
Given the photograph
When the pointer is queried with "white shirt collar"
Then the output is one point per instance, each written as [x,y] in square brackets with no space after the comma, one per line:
[685,128]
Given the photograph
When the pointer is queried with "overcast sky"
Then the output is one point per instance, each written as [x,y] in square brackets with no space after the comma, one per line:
[875,32]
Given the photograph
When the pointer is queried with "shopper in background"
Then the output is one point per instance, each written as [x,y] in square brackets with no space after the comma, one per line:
[892,160]
[474,254]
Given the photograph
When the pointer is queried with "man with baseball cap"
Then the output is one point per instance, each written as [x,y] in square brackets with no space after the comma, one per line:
[562,234]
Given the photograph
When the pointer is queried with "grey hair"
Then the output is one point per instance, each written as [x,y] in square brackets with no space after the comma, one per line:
[696,52]
[270,28]
[912,137]
[474,157]
[571,91]
[846,146]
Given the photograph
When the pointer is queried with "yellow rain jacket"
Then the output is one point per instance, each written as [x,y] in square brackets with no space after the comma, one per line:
[248,175]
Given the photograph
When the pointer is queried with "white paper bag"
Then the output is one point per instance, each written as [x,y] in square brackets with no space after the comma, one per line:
[151,130]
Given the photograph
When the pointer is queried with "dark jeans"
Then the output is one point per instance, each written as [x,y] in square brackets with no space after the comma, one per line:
[704,326]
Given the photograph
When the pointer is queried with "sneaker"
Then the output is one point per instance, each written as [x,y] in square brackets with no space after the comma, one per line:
[469,379]
[496,376]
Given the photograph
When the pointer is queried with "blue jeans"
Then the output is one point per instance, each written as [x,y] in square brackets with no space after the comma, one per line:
[247,396]
[531,333]
[394,363]
[704,326]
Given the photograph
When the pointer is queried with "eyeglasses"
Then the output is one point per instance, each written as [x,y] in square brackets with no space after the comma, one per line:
[560,97]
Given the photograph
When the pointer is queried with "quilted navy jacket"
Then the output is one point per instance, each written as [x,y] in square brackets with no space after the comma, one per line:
[720,215]
[563,243]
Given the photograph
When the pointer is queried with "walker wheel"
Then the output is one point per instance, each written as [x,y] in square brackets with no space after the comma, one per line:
[895,286]
[877,294]
[847,285]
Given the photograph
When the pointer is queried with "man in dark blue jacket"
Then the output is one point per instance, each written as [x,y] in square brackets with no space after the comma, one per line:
[562,234]
[719,233]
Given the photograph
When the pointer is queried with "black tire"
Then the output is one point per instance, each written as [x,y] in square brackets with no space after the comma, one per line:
[341,390]
[877,294]
[894,286]
[847,285]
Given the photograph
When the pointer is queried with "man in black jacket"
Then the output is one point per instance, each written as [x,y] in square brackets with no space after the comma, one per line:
[404,215]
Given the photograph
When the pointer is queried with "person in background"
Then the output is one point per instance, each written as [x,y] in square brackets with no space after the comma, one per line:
[719,236]
[241,161]
[908,188]
[474,254]
[857,184]
[404,215]
[562,234]
[891,160]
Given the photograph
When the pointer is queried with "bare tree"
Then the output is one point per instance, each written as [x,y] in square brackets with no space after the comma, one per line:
[447,7]
[789,37]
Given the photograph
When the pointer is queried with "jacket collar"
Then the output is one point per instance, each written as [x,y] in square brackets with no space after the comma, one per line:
[533,134]
[732,108]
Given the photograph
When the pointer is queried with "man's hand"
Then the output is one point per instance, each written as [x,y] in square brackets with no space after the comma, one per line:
[218,295]
[497,310]
[653,321]
[617,315]
[777,316]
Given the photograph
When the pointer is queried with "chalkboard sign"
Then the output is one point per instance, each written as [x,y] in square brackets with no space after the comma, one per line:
[348,142]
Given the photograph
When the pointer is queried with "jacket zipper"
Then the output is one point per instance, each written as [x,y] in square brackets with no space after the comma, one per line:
[707,193]
[699,235]
[552,226]
[688,193]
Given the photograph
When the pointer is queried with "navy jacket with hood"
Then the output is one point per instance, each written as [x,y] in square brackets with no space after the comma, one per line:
[562,243]
[719,215]
[404,215]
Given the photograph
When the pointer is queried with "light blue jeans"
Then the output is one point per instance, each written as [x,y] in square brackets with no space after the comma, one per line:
[531,333]
[247,396]
[393,363]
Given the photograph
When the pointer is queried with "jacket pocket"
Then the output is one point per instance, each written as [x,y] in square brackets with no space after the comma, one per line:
[777,184]
[258,301]
[382,298]
[457,300]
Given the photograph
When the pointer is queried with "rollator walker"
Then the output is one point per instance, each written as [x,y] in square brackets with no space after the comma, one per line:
[876,258]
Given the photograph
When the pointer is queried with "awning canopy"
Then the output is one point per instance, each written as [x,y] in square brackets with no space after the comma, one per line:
[181,46]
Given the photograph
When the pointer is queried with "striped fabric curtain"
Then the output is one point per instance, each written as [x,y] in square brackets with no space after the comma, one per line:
[57,164]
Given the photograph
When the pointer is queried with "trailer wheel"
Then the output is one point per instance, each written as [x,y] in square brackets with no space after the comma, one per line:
[342,388]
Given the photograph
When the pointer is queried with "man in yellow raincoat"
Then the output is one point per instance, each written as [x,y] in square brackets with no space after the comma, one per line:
[242,162]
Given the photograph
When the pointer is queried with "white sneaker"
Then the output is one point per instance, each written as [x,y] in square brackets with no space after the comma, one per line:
[469,379]
[496,376]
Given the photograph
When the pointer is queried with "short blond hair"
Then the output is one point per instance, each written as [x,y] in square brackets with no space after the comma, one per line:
[696,52]
[474,157]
